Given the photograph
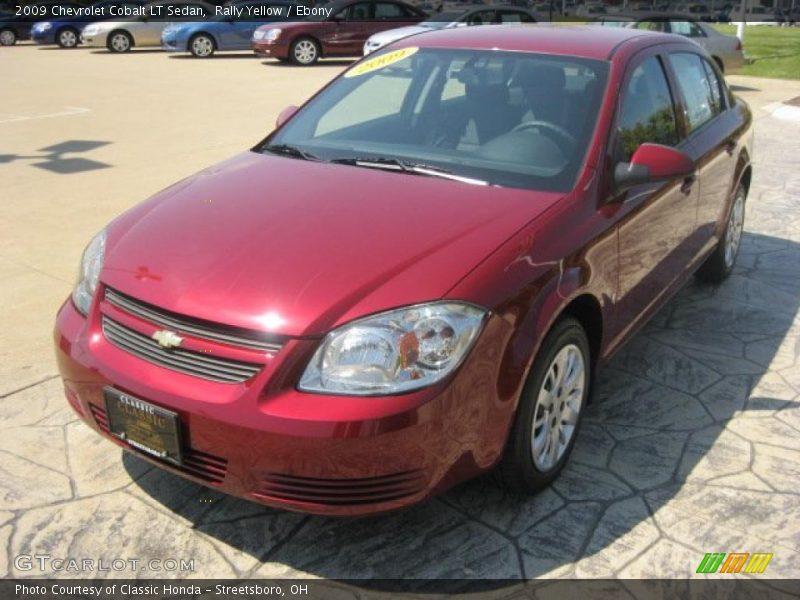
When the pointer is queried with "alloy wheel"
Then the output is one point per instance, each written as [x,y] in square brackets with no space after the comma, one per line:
[558,406]
[68,38]
[733,236]
[120,42]
[202,46]
[305,52]
[7,38]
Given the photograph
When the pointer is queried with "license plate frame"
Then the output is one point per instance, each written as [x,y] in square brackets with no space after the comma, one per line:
[144,426]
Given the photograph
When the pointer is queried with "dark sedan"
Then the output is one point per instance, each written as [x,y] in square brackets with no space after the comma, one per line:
[338,29]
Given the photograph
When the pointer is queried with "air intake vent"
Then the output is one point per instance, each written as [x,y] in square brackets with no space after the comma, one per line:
[368,490]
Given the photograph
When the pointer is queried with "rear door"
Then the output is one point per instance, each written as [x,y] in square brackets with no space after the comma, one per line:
[712,135]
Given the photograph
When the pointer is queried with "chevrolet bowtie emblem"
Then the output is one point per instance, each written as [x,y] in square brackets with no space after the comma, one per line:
[167,338]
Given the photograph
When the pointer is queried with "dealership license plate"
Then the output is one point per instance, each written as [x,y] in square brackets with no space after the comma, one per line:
[144,426]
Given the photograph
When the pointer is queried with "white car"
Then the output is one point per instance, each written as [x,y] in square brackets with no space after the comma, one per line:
[145,30]
[476,15]
[726,50]
[757,15]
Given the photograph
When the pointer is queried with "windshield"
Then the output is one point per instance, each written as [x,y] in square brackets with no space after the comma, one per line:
[512,119]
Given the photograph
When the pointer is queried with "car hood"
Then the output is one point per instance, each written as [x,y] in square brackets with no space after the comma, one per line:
[297,247]
[386,37]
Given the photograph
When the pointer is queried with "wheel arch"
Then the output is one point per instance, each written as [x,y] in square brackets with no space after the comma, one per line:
[586,309]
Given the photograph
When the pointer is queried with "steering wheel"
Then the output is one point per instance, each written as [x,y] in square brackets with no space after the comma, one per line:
[563,134]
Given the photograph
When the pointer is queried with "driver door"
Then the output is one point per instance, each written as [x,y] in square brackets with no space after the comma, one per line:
[351,29]
[656,220]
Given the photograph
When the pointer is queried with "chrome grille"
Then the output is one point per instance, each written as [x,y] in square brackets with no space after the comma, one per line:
[198,364]
[195,328]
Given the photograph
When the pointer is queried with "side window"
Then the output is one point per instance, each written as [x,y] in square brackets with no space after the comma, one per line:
[649,25]
[358,12]
[686,28]
[717,87]
[702,103]
[484,17]
[512,16]
[384,10]
[646,113]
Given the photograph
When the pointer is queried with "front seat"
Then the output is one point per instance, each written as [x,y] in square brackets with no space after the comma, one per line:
[543,87]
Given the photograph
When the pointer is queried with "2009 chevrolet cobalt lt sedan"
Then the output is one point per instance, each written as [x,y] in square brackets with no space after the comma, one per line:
[414,279]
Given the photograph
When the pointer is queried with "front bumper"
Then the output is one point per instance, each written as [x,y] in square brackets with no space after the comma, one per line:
[264,441]
[269,49]
[97,40]
[47,37]
[174,41]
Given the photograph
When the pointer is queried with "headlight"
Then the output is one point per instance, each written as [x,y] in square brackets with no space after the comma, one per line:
[272,35]
[395,351]
[91,30]
[91,264]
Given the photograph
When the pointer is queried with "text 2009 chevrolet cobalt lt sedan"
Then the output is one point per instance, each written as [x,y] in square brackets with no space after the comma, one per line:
[415,278]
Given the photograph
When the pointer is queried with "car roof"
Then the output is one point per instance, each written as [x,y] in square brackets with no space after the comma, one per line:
[581,41]
[669,17]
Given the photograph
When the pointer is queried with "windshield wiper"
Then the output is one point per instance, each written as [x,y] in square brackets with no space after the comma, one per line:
[394,164]
[289,150]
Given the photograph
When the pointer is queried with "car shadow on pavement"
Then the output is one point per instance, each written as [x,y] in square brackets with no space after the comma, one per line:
[666,454]
[134,51]
[325,62]
[53,159]
[215,56]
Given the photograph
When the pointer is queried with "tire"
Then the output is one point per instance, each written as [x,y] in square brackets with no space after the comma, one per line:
[8,37]
[119,42]
[202,45]
[67,37]
[563,365]
[304,51]
[719,265]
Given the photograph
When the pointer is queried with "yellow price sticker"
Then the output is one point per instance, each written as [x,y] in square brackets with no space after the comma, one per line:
[379,62]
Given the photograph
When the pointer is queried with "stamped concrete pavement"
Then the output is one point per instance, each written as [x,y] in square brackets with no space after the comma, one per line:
[692,444]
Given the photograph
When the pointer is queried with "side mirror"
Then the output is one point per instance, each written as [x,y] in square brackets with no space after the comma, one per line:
[652,163]
[285,115]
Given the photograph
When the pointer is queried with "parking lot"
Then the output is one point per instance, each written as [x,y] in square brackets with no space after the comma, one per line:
[692,444]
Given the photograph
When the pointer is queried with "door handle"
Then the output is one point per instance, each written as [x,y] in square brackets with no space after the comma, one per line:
[730,147]
[688,182]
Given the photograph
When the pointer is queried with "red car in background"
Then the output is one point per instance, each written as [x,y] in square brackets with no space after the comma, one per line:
[340,31]
[414,279]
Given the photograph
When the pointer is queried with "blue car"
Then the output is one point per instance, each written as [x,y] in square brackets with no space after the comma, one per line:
[16,23]
[231,30]
[66,31]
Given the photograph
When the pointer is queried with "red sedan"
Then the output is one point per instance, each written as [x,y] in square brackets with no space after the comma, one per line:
[337,29]
[414,279]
